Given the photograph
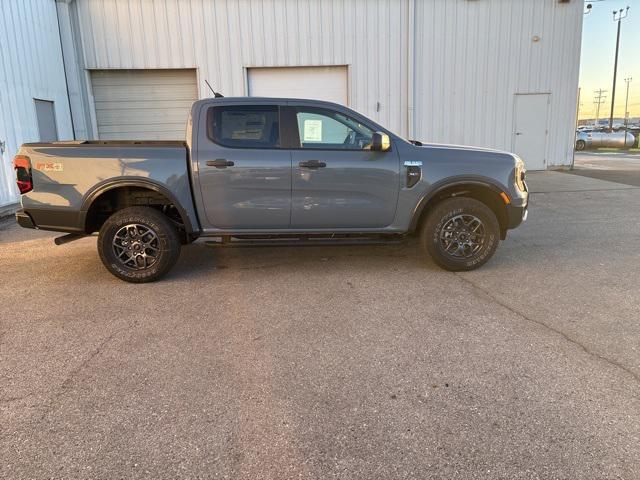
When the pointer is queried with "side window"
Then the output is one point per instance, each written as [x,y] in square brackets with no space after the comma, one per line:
[326,129]
[244,126]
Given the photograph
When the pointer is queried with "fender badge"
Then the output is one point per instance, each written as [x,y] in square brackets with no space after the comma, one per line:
[412,163]
[49,166]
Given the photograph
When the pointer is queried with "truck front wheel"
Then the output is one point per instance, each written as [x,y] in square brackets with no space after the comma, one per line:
[460,234]
[138,244]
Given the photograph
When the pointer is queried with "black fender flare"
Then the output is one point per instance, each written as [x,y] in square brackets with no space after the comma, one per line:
[442,185]
[111,184]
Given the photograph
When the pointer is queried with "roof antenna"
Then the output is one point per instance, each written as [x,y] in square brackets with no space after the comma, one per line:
[215,94]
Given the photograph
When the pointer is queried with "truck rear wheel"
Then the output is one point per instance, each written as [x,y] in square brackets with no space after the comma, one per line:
[138,244]
[460,234]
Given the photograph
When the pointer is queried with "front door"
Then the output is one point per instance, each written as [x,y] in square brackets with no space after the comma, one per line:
[245,177]
[338,181]
[531,130]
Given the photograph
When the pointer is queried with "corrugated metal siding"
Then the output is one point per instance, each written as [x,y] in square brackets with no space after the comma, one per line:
[472,57]
[436,70]
[222,38]
[30,67]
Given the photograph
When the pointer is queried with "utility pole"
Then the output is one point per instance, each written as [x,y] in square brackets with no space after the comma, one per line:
[578,108]
[626,104]
[598,99]
[617,17]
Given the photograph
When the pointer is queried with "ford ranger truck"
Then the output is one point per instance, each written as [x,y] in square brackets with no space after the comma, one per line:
[256,171]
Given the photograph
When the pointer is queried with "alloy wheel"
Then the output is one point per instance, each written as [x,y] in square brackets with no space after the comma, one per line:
[136,246]
[462,236]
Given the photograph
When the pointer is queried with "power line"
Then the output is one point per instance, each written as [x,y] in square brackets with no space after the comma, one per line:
[599,99]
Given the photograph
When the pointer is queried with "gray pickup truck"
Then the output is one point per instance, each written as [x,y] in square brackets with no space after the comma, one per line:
[256,171]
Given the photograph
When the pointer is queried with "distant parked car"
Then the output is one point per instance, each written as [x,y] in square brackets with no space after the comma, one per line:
[635,130]
[596,139]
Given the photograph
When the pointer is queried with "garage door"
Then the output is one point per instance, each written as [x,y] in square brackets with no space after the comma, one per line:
[319,83]
[143,104]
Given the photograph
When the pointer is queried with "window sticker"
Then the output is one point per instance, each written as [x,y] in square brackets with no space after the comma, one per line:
[312,131]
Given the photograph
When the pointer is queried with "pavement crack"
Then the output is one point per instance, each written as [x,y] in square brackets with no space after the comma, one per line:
[77,370]
[17,398]
[557,331]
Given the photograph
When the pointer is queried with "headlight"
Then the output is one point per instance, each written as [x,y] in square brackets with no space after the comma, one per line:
[520,176]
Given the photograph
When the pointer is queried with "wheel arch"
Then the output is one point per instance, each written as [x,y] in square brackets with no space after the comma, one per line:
[485,191]
[109,187]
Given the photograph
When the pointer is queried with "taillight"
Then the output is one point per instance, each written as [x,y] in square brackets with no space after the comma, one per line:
[22,166]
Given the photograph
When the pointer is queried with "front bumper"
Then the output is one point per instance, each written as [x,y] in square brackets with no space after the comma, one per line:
[516,215]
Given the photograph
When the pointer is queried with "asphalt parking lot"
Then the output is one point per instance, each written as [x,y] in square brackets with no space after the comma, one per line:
[333,362]
[621,167]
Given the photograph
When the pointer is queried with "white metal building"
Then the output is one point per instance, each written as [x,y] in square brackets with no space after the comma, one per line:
[33,93]
[493,73]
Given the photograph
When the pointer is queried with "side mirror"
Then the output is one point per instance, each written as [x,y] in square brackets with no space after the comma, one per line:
[380,142]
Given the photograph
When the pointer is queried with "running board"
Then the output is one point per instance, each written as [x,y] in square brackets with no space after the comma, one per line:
[70,237]
[301,242]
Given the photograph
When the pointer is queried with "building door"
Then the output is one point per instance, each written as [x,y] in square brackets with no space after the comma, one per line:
[46,117]
[143,104]
[531,129]
[317,83]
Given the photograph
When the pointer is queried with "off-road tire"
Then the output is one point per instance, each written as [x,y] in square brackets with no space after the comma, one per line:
[167,244]
[445,214]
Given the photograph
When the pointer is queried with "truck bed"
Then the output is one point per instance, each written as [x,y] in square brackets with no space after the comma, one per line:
[68,176]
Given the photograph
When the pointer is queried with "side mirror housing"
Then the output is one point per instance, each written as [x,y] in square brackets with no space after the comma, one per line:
[380,142]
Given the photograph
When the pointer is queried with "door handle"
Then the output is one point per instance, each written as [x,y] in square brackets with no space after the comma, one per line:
[220,163]
[312,164]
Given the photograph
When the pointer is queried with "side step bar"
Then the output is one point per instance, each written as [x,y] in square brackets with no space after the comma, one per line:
[234,242]
[70,237]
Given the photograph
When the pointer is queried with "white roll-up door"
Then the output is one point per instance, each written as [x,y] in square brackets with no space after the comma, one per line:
[143,104]
[318,83]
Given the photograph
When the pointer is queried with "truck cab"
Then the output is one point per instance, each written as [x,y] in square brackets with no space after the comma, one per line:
[293,165]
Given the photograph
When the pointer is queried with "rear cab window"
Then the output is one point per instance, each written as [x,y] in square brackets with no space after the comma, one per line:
[244,126]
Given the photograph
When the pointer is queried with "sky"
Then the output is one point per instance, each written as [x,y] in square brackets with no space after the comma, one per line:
[597,58]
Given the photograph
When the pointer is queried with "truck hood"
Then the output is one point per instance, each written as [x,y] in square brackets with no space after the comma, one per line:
[465,148]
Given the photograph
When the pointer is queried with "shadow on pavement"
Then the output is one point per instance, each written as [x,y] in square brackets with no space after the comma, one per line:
[626,177]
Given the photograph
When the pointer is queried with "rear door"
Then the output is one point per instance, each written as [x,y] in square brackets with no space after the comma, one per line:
[338,181]
[244,174]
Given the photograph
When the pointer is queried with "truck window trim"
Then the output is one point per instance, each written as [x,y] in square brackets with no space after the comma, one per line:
[211,137]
